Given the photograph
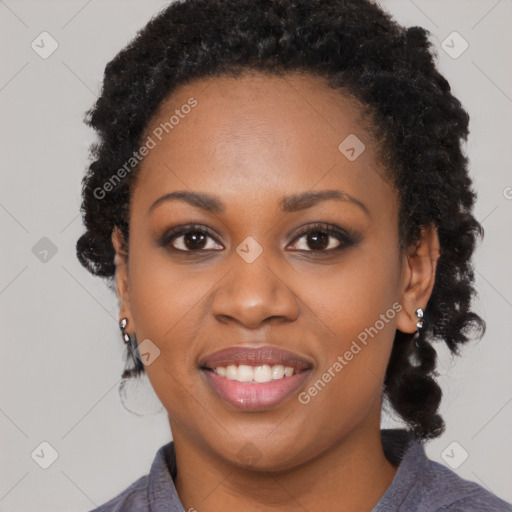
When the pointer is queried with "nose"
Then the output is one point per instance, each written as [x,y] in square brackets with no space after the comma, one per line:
[254,293]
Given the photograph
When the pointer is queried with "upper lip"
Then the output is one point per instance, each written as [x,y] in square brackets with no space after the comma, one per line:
[255,356]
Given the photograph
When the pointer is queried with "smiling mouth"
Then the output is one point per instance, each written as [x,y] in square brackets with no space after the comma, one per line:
[254,388]
[254,378]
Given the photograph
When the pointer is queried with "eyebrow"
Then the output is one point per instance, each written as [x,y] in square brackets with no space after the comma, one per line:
[288,204]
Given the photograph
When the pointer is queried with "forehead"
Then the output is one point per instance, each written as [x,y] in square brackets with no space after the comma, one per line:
[258,133]
[262,104]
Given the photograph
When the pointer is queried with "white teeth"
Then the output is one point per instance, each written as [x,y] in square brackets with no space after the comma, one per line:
[262,373]
[278,371]
[245,373]
[232,372]
[288,372]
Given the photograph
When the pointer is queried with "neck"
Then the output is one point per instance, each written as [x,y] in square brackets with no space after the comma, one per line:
[354,474]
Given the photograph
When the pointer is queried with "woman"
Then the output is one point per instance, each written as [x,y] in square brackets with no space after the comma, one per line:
[280,194]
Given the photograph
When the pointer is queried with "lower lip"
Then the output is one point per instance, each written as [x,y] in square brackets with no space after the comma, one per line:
[255,396]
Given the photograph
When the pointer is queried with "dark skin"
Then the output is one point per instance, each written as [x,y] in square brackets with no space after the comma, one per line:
[250,141]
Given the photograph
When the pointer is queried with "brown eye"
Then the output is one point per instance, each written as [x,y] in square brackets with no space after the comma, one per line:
[317,240]
[190,239]
[194,240]
[322,238]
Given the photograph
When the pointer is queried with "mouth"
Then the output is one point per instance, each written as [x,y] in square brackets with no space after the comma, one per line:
[255,379]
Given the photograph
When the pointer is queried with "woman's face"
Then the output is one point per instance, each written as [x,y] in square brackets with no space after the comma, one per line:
[265,150]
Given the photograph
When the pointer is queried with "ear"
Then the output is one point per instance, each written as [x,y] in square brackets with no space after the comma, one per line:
[419,271]
[121,262]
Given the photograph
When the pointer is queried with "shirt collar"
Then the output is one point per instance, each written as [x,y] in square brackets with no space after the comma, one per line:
[402,450]
[162,494]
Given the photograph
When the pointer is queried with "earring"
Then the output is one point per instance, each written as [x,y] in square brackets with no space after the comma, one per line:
[122,325]
[419,314]
[131,342]
[415,357]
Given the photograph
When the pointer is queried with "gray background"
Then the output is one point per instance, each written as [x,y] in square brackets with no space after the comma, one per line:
[61,351]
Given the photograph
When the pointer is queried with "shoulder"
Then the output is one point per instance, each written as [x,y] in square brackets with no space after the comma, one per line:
[152,492]
[448,492]
[424,485]
[132,499]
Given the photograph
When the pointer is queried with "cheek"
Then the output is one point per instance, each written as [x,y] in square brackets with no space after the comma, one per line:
[166,303]
[356,309]
[358,318]
[355,294]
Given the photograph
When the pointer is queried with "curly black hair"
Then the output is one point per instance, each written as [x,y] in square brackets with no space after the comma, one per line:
[360,50]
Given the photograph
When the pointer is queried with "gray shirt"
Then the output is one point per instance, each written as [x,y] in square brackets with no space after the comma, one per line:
[420,484]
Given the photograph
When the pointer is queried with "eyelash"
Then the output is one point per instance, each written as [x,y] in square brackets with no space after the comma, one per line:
[345,238]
